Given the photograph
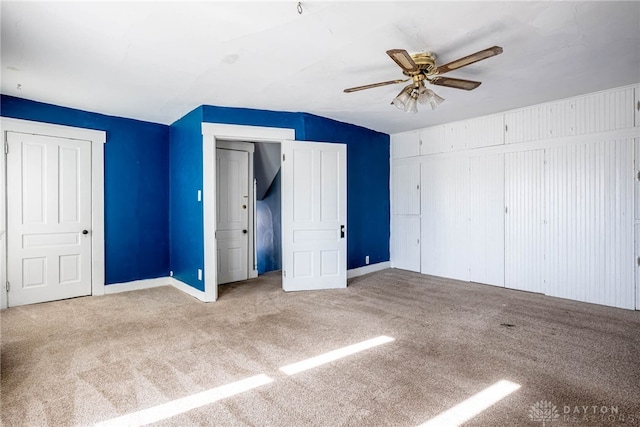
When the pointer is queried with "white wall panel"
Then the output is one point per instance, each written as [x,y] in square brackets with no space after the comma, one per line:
[406,188]
[405,144]
[485,131]
[444,217]
[406,242]
[486,219]
[432,140]
[524,220]
[605,111]
[590,223]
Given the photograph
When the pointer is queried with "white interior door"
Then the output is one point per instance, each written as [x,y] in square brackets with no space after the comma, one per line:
[232,215]
[48,218]
[314,215]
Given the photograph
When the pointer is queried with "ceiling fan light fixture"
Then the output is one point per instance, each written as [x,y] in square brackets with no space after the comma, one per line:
[435,100]
[412,105]
[401,101]
[427,95]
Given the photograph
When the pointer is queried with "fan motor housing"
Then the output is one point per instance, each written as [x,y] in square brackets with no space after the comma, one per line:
[426,61]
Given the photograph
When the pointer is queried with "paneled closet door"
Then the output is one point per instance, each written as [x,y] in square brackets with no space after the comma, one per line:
[406,188]
[445,217]
[406,242]
[524,221]
[406,215]
[590,223]
[486,220]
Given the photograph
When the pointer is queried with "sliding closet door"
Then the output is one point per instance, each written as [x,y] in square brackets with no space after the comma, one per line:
[524,220]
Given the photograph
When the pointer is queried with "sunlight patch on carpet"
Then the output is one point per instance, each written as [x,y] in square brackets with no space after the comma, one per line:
[179,406]
[331,356]
[471,407]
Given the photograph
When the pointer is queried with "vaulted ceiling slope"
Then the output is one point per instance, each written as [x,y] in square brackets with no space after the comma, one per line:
[155,61]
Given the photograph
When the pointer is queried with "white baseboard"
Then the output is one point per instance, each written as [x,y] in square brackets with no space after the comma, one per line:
[136,285]
[165,281]
[355,272]
[196,293]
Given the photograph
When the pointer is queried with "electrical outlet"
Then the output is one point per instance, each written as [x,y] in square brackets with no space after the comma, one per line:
[171,273]
[199,274]
[199,195]
[366,260]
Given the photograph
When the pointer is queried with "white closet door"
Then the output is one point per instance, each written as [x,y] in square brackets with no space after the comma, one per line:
[406,188]
[444,217]
[406,247]
[486,220]
[590,235]
[524,220]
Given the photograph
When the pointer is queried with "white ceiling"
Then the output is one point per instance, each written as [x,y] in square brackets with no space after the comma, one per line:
[156,61]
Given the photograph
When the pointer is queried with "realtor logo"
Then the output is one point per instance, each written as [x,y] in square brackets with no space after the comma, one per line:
[543,412]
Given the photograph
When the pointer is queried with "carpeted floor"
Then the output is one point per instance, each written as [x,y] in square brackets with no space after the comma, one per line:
[88,360]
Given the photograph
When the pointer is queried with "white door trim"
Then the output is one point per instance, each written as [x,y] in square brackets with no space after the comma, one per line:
[97,139]
[211,132]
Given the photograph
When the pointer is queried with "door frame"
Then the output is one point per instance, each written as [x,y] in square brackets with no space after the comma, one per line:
[212,135]
[97,139]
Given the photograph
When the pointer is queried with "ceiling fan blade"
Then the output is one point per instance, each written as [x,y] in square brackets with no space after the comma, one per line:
[390,82]
[403,59]
[455,83]
[474,57]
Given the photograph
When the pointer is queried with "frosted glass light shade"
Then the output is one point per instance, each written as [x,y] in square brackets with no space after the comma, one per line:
[412,105]
[435,101]
[402,99]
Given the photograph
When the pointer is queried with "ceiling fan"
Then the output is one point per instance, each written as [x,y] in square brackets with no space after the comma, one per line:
[421,67]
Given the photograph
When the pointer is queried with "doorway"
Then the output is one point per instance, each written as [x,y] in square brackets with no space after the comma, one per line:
[248,209]
[313,205]
[218,136]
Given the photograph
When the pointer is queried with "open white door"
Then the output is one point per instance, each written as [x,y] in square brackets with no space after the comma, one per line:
[314,215]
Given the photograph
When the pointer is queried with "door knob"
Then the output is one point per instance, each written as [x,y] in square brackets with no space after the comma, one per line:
[244,231]
[244,206]
[85,231]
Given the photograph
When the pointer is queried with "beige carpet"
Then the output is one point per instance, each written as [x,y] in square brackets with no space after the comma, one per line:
[88,360]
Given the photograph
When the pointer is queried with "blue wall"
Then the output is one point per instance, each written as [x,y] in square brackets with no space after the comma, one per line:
[368,206]
[136,186]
